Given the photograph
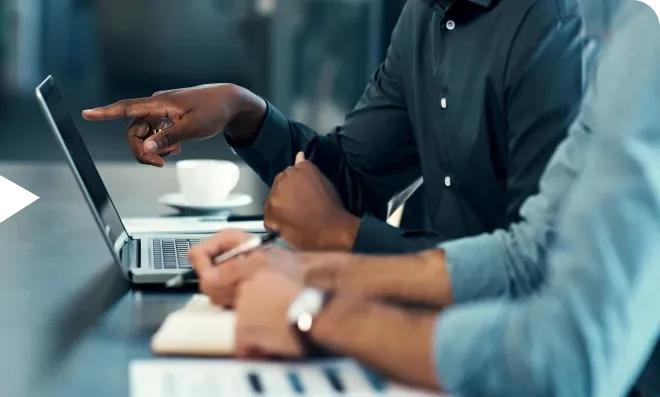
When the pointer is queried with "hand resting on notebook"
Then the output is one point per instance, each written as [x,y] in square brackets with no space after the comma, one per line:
[262,329]
[257,329]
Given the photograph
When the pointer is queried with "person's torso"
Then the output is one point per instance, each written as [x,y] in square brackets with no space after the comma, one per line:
[454,71]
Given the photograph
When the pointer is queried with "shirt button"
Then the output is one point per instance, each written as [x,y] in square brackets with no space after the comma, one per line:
[451,25]
[443,103]
[448,181]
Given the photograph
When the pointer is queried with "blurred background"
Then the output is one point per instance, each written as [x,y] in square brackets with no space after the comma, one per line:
[311,58]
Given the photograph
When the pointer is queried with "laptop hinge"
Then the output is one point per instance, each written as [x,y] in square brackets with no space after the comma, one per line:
[138,251]
[130,253]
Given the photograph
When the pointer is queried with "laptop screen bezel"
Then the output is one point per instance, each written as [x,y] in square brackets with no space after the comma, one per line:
[47,88]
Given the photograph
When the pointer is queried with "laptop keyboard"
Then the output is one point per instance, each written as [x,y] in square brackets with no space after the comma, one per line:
[172,253]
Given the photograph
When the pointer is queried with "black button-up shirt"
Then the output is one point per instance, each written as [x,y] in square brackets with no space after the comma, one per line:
[474,96]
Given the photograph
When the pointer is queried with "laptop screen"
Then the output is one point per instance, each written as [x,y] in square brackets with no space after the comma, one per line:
[82,164]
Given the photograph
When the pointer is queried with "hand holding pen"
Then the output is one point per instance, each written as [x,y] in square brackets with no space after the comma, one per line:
[255,242]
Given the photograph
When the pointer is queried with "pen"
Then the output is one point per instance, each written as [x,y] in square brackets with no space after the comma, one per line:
[253,243]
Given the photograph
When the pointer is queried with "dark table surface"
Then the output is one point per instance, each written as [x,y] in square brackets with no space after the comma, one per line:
[69,323]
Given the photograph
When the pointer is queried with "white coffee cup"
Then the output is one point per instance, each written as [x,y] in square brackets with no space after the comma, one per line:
[206,182]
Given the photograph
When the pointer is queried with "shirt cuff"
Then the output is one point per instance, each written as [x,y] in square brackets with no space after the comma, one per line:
[474,266]
[376,236]
[272,139]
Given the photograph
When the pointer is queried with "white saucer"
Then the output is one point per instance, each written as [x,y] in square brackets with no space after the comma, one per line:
[233,201]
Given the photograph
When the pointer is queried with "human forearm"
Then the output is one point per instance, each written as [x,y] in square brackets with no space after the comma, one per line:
[416,278]
[390,340]
[248,111]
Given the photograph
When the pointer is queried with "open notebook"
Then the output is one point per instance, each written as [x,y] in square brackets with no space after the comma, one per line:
[197,329]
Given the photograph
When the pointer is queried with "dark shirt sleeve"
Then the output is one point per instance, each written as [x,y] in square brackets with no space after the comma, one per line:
[544,87]
[369,159]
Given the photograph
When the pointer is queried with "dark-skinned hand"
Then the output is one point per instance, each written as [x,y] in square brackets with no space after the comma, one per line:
[160,123]
[305,208]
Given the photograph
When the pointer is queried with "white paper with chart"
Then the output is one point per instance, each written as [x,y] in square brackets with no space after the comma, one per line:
[213,378]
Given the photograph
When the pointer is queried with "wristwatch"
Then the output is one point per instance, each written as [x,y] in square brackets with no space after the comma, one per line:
[301,314]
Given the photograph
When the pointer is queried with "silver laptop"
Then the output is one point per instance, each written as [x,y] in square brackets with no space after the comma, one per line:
[148,258]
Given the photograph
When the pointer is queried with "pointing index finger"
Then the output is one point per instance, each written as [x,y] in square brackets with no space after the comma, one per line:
[132,108]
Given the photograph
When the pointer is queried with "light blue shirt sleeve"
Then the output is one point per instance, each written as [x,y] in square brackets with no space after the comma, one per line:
[588,331]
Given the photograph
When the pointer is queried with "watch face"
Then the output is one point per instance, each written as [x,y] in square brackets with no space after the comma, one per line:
[305,322]
[309,302]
